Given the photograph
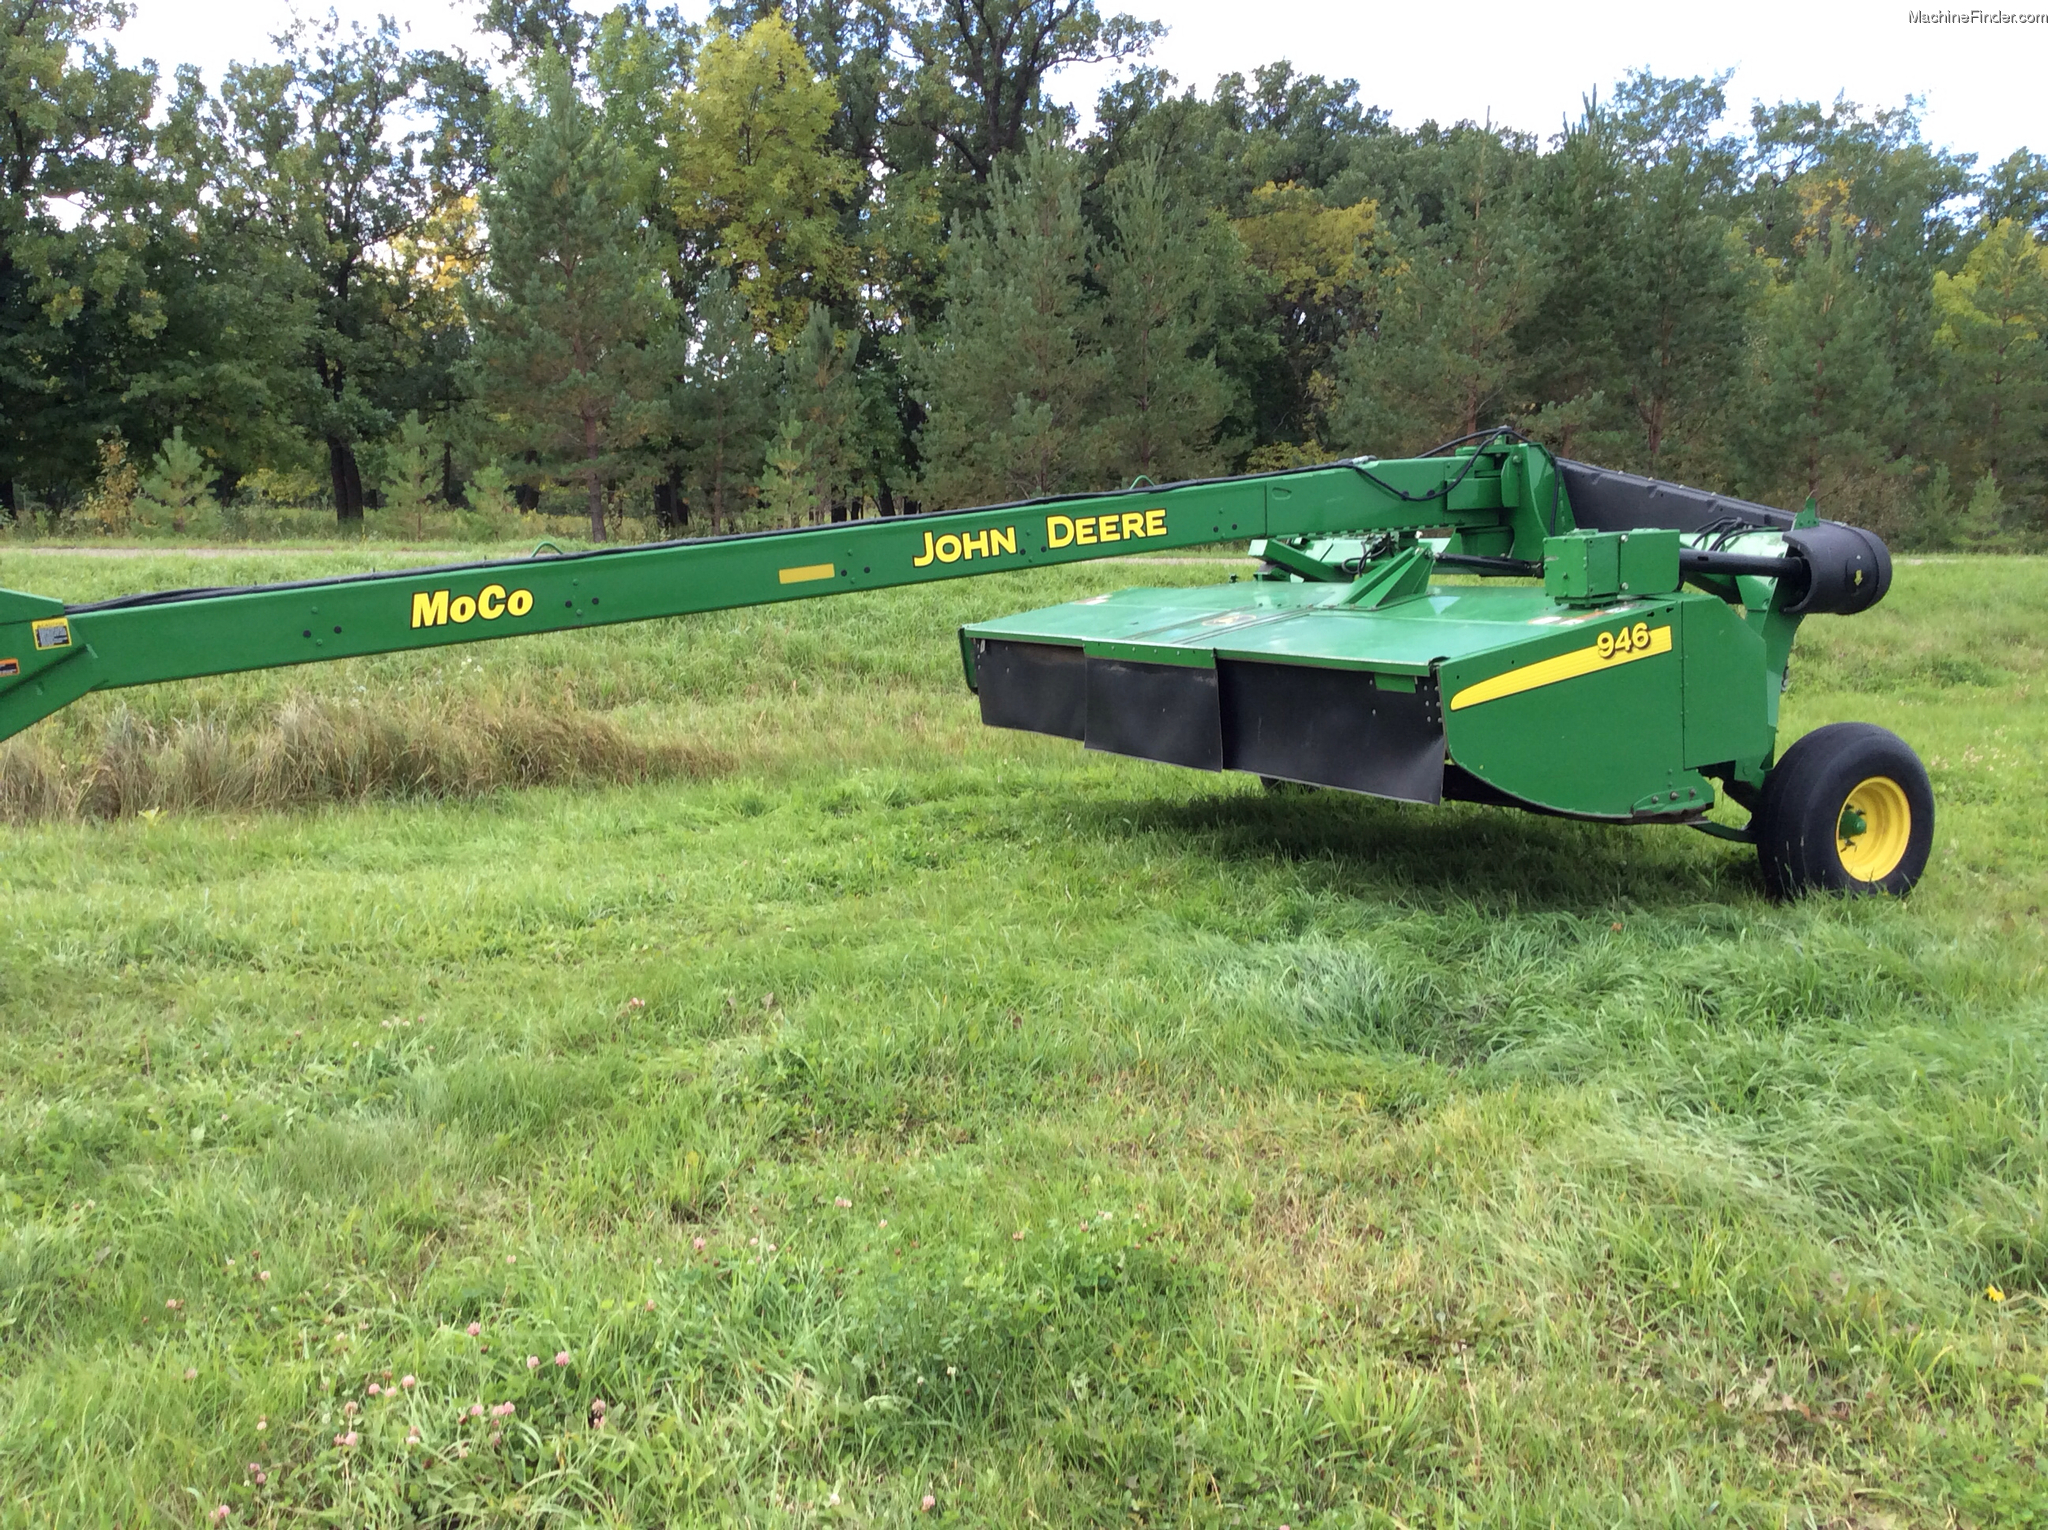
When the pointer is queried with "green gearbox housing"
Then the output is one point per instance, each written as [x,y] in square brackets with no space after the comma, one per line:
[1488,624]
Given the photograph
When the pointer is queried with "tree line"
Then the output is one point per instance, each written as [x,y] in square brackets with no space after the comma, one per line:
[835,258]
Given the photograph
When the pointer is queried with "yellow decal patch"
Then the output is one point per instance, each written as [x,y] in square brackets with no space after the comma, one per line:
[436,608]
[54,633]
[807,573]
[10,666]
[973,544]
[1092,530]
[1641,641]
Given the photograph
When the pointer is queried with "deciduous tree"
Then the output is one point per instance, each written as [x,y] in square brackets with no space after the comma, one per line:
[754,177]
[74,237]
[341,149]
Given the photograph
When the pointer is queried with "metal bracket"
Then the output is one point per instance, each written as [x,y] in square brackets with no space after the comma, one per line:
[1746,835]
[1406,573]
[1295,561]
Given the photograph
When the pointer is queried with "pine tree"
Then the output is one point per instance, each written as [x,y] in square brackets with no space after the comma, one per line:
[1647,309]
[1938,518]
[175,494]
[412,473]
[1817,401]
[1162,402]
[490,491]
[725,408]
[823,395]
[1993,344]
[789,479]
[1982,527]
[1014,380]
[1442,359]
[578,341]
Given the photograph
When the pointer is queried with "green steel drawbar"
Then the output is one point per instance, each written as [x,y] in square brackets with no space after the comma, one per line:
[1611,647]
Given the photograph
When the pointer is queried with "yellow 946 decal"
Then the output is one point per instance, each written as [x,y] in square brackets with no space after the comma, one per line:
[1634,639]
[1625,645]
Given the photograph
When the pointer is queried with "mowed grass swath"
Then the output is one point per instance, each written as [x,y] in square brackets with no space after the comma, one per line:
[1372,1163]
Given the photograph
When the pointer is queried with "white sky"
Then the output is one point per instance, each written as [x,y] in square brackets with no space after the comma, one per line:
[1523,65]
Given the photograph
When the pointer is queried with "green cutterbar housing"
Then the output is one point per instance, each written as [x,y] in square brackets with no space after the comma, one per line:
[1492,624]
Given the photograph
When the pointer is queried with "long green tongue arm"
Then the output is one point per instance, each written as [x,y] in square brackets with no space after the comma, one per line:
[1500,500]
[51,653]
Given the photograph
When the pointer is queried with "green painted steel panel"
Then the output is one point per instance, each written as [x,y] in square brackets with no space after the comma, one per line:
[1728,687]
[1584,718]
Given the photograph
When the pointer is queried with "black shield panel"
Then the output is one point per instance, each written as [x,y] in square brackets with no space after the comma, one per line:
[1333,727]
[1164,712]
[1039,687]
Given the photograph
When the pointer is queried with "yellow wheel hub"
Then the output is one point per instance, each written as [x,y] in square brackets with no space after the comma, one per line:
[1875,824]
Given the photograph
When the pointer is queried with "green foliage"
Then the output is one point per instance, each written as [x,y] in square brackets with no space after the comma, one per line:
[823,396]
[175,496]
[1639,341]
[578,343]
[328,168]
[1372,1162]
[1442,359]
[1162,401]
[1016,375]
[412,473]
[1993,343]
[727,406]
[1938,510]
[490,491]
[788,481]
[1314,268]
[754,177]
[111,504]
[1981,527]
[78,305]
[979,80]
[619,269]
[1822,380]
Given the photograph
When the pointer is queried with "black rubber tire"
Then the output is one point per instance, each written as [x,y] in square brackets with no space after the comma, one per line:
[1798,820]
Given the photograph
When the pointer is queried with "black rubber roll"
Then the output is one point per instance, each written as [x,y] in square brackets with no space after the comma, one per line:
[1848,569]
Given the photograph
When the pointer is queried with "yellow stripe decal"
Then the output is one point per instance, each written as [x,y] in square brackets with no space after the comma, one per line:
[807,573]
[1566,666]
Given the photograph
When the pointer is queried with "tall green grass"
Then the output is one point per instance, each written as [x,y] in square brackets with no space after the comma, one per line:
[1206,1157]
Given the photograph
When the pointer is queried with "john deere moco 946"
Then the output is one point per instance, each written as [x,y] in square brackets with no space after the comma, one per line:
[1619,658]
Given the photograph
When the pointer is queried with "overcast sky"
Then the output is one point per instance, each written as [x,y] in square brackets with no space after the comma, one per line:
[1523,65]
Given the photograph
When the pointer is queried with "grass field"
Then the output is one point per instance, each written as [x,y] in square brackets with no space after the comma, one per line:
[695,1074]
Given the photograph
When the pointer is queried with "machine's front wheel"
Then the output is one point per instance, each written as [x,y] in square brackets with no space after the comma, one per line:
[1849,810]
